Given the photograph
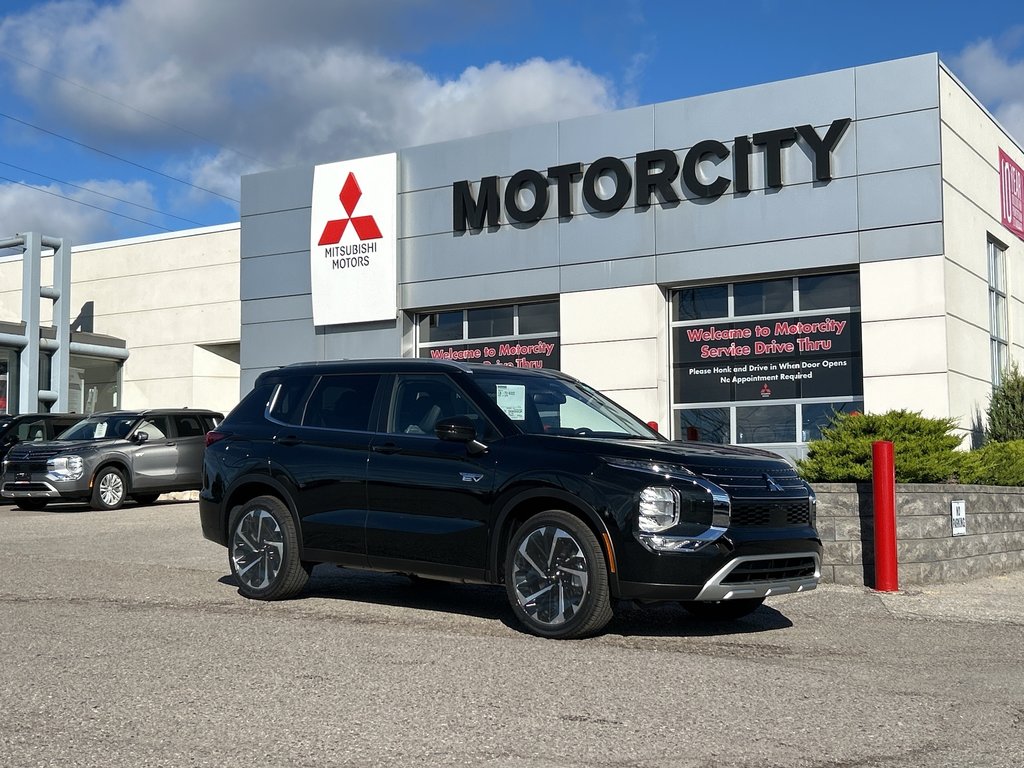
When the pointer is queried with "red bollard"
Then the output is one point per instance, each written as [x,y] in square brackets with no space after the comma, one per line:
[883,486]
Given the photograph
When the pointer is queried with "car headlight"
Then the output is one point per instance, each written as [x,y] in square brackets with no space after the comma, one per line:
[64,468]
[659,509]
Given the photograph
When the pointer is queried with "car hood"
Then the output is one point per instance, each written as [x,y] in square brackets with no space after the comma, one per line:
[57,447]
[685,453]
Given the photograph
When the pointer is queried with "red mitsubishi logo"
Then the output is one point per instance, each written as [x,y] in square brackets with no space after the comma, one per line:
[365,226]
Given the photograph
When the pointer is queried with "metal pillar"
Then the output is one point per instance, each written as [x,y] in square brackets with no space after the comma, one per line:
[32,289]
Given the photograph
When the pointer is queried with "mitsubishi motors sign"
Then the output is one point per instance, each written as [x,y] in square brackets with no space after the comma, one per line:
[353,241]
[1011,194]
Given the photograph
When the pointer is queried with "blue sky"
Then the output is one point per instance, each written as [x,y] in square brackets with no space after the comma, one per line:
[136,117]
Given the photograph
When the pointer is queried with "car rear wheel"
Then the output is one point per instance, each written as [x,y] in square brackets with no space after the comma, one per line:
[109,489]
[263,550]
[556,577]
[724,610]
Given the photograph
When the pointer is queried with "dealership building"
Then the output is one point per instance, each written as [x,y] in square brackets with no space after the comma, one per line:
[735,266]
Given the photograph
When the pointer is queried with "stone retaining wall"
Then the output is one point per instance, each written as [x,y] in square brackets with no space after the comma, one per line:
[926,550]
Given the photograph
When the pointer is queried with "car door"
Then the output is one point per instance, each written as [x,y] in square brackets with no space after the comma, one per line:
[429,499]
[154,460]
[321,450]
[191,442]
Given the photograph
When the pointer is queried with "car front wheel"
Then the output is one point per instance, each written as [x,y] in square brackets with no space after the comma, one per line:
[556,577]
[108,489]
[263,550]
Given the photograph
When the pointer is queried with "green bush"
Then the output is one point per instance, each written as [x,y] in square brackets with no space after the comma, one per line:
[994,464]
[1006,408]
[924,450]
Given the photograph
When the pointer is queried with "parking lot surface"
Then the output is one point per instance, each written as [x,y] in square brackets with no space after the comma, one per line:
[124,643]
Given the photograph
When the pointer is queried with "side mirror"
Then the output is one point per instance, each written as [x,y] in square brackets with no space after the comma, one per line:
[141,437]
[460,429]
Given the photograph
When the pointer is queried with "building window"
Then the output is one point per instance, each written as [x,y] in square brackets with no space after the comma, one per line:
[997,310]
[767,362]
[516,335]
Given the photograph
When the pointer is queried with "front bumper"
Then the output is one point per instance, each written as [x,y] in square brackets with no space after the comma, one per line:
[39,488]
[743,563]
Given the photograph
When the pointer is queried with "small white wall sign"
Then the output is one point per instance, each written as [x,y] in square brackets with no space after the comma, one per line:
[958,516]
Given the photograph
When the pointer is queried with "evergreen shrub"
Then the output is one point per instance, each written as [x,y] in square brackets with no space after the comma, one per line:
[924,450]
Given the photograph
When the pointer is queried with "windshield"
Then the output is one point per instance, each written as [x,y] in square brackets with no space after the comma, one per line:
[101,427]
[544,406]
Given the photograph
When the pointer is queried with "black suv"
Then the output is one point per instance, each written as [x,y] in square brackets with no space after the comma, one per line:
[32,427]
[497,475]
[109,456]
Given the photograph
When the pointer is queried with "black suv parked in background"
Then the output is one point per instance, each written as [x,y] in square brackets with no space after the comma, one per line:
[496,475]
[33,427]
[110,456]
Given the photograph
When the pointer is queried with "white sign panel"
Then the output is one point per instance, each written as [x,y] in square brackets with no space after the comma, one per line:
[353,240]
[958,516]
[511,398]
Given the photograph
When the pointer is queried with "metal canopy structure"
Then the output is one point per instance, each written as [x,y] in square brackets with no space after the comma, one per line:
[31,342]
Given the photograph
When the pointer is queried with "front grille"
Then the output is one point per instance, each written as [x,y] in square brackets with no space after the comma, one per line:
[770,514]
[771,569]
[31,460]
[751,478]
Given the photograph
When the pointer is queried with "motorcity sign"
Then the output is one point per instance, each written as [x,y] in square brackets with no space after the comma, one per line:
[654,173]
[353,241]
[1011,194]
[780,358]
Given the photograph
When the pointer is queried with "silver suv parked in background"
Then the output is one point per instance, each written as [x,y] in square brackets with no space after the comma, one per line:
[109,457]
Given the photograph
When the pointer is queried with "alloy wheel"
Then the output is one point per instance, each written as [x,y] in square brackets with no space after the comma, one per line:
[551,576]
[257,549]
[111,489]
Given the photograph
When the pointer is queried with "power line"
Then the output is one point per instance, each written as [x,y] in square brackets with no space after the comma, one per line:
[87,205]
[101,194]
[116,157]
[126,106]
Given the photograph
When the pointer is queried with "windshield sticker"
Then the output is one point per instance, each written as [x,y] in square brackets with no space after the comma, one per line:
[101,430]
[511,398]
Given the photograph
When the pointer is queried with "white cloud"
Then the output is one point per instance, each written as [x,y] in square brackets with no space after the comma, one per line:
[994,71]
[281,83]
[73,213]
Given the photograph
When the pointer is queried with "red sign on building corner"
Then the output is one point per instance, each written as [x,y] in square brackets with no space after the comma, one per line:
[1011,194]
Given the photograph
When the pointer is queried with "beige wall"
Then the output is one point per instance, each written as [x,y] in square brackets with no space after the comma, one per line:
[616,341]
[174,298]
[971,141]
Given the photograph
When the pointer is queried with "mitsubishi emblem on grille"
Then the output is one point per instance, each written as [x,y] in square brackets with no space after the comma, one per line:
[770,482]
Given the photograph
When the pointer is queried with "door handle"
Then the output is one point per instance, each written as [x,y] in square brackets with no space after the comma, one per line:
[386,448]
[287,440]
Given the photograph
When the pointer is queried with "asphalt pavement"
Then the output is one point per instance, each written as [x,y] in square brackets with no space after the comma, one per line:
[124,642]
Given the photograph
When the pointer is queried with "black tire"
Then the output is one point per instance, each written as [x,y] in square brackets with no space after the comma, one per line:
[724,610]
[31,505]
[263,550]
[556,577]
[109,489]
[144,499]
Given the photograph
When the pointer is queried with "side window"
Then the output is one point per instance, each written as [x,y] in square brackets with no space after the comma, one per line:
[154,426]
[289,399]
[344,401]
[31,431]
[421,401]
[189,426]
[252,407]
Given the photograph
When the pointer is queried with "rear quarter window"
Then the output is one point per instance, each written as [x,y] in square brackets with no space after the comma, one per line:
[252,407]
